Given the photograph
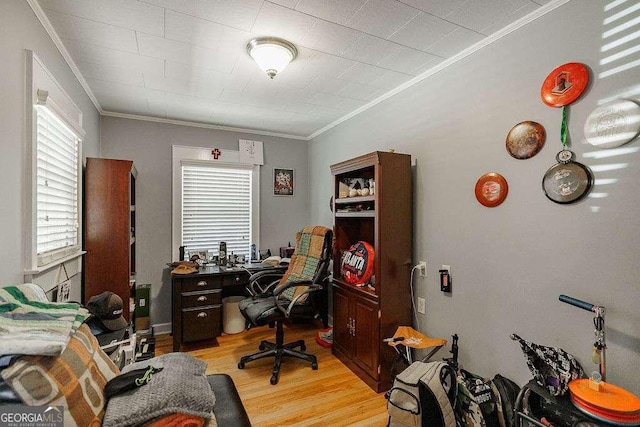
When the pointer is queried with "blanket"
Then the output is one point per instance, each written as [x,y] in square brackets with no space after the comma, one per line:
[305,260]
[29,325]
[180,387]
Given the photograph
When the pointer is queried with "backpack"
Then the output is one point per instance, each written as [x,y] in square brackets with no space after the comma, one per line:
[508,392]
[423,395]
[478,403]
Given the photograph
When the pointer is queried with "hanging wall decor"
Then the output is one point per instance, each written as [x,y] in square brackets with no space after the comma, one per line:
[525,139]
[491,189]
[567,181]
[283,182]
[613,124]
[564,84]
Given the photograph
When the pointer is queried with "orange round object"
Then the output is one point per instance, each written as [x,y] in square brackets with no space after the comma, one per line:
[565,84]
[357,263]
[491,189]
[608,398]
[610,417]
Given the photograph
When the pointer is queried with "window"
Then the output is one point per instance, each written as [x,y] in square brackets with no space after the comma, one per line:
[57,155]
[214,201]
[216,207]
[53,176]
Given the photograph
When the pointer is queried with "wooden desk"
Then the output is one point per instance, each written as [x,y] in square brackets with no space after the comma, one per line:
[197,300]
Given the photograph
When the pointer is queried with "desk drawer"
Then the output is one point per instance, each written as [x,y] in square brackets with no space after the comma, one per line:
[240,278]
[193,284]
[202,298]
[201,323]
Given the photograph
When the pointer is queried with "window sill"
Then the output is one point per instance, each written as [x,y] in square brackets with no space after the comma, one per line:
[43,268]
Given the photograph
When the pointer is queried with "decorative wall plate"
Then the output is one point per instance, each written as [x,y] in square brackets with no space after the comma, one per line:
[565,84]
[525,139]
[613,124]
[491,189]
[567,182]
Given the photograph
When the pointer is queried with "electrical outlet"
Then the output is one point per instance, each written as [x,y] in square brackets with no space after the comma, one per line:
[422,266]
[421,305]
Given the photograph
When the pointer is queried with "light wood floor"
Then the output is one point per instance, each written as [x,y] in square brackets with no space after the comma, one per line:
[329,396]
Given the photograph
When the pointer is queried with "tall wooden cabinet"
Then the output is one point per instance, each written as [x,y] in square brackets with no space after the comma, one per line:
[364,315]
[110,230]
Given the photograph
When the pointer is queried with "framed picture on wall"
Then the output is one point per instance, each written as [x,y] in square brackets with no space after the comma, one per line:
[283,182]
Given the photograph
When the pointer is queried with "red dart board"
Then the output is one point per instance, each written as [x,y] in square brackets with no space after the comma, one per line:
[565,84]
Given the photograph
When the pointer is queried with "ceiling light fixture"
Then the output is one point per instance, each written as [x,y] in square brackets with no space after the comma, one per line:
[272,54]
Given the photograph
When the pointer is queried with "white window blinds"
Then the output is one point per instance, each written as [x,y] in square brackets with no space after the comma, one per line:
[57,188]
[216,207]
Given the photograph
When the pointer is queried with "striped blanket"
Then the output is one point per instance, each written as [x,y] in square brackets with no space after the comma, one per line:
[305,259]
[29,325]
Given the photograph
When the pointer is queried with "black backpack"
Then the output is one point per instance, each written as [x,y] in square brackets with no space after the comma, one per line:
[508,391]
[478,405]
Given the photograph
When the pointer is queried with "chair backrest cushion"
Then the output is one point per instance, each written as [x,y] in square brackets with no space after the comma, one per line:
[306,259]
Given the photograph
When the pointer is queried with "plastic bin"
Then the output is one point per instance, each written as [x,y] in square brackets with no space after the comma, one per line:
[232,320]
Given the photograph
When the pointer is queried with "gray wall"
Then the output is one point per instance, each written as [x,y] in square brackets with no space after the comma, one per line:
[149,144]
[510,263]
[20,30]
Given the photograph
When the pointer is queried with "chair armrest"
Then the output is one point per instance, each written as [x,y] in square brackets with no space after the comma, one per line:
[256,284]
[311,287]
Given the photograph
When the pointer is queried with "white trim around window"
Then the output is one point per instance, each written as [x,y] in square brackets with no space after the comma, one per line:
[53,174]
[183,155]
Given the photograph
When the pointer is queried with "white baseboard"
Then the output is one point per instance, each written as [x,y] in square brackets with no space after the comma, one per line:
[161,328]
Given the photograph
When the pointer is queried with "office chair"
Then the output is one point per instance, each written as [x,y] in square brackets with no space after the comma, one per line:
[301,293]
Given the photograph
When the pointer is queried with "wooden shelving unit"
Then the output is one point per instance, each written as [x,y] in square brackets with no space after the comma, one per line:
[364,316]
[110,230]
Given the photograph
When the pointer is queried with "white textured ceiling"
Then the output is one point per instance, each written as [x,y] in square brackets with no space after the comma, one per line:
[185,60]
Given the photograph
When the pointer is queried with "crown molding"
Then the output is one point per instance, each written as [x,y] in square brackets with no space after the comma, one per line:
[541,11]
[200,125]
[42,17]
[538,13]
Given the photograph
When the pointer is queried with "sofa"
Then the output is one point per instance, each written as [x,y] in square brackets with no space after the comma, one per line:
[77,374]
[228,409]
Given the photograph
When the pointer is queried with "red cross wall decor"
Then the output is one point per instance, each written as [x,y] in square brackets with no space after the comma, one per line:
[216,153]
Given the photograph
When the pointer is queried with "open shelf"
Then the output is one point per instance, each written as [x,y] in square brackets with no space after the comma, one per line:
[356,214]
[358,199]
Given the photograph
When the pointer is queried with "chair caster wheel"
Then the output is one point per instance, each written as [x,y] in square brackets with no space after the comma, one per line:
[274,380]
[261,347]
[303,347]
[314,366]
[240,365]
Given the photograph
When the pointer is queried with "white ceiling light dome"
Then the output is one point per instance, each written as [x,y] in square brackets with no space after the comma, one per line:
[272,54]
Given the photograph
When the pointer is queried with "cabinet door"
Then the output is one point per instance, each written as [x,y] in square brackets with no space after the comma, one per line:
[342,337]
[366,338]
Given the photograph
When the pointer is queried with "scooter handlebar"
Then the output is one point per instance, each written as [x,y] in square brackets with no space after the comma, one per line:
[578,303]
